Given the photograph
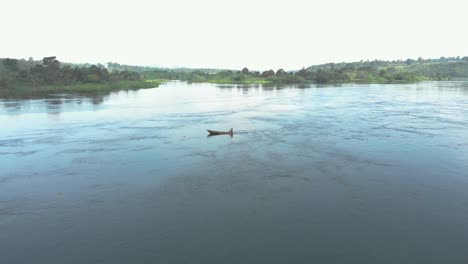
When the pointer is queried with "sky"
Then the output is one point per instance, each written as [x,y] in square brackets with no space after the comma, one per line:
[232,34]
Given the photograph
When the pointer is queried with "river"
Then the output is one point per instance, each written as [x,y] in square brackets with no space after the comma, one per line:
[354,173]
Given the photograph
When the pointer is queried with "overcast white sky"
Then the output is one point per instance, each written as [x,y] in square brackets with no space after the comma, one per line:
[232,33]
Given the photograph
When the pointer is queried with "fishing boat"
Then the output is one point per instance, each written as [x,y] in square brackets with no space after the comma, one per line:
[214,132]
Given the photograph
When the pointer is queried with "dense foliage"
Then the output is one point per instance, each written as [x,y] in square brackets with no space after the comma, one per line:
[17,74]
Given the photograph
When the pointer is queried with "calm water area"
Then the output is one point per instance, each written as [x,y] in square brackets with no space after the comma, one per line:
[354,173]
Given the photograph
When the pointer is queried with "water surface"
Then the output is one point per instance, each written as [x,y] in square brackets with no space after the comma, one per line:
[348,174]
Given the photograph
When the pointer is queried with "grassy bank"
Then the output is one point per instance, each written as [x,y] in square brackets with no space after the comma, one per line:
[79,88]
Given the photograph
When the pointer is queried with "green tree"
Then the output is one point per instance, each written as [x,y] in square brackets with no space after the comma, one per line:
[10,64]
[268,73]
[280,72]
[409,61]
[50,61]
[302,72]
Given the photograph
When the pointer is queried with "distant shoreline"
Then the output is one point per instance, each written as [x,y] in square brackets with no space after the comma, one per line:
[29,78]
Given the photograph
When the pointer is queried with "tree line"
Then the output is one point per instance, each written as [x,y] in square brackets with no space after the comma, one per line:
[376,71]
[49,72]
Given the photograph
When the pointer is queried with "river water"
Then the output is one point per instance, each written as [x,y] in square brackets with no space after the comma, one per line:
[335,174]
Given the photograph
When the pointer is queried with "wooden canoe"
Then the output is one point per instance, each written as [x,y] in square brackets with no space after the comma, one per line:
[214,132]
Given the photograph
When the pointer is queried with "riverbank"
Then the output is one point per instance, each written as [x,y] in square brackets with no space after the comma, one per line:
[365,72]
[268,81]
[79,88]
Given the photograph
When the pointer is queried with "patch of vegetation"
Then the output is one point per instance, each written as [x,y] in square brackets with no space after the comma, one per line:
[78,88]
[358,72]
[21,78]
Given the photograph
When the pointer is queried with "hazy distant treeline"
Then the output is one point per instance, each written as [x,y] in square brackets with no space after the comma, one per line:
[364,71]
[113,66]
[388,71]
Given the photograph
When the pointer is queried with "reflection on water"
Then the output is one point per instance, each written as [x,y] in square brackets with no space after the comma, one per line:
[348,174]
